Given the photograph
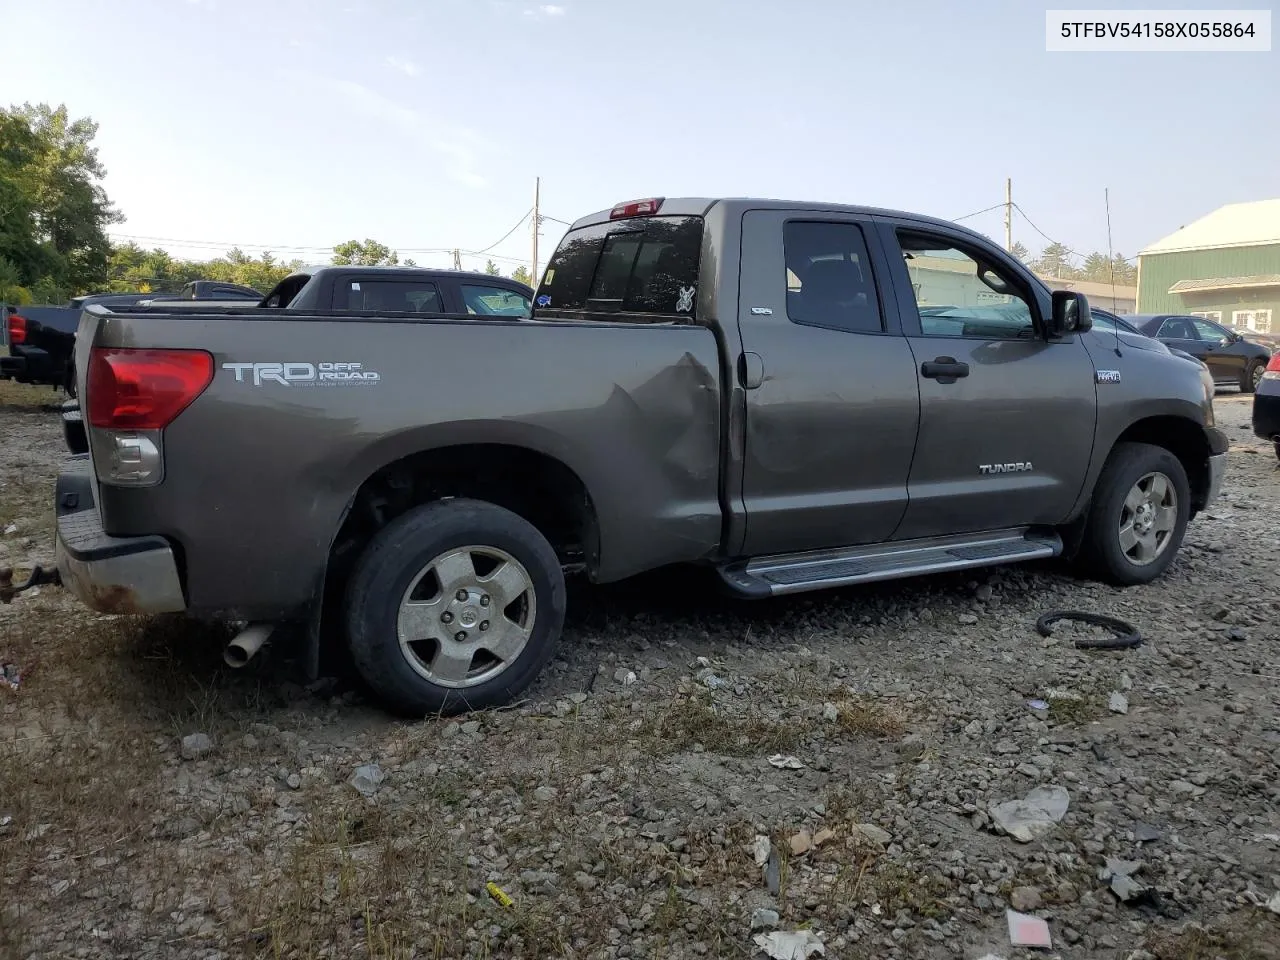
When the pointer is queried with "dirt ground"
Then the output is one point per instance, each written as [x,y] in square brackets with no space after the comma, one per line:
[621,806]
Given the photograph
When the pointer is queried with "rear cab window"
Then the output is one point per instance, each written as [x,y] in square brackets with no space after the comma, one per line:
[394,296]
[640,270]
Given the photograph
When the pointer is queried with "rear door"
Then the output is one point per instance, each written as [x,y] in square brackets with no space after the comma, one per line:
[1224,355]
[832,404]
[1007,418]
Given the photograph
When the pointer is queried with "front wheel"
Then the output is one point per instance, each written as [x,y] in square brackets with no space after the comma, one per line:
[1138,516]
[456,605]
[1253,376]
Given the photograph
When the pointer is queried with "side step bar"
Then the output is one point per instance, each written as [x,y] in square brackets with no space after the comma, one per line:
[816,570]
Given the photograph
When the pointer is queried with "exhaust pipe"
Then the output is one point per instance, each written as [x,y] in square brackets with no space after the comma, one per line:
[246,644]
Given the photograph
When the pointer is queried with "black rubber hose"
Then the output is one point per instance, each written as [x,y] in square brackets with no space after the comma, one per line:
[1125,634]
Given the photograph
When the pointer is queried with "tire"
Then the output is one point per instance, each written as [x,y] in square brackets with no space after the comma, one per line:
[1105,556]
[1277,446]
[409,553]
[1249,382]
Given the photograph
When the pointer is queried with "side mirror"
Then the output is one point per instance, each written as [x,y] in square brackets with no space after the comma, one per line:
[1070,314]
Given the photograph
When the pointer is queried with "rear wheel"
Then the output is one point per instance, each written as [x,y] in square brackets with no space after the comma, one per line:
[456,605]
[1138,516]
[1253,376]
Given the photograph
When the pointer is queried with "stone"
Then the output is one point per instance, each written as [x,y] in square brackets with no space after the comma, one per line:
[294,781]
[830,712]
[823,836]
[196,745]
[1118,703]
[471,727]
[1024,899]
[1006,747]
[874,834]
[544,794]
[366,778]
[624,676]
[983,593]
[764,919]
[585,881]
[967,619]
[801,843]
[1145,833]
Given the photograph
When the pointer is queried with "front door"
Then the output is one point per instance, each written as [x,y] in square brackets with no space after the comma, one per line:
[831,398]
[1006,417]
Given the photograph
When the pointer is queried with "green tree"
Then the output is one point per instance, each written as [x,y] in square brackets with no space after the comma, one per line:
[1055,261]
[1020,251]
[521,275]
[370,253]
[1097,267]
[491,269]
[53,209]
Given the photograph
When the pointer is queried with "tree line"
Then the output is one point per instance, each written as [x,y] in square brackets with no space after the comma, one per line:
[54,215]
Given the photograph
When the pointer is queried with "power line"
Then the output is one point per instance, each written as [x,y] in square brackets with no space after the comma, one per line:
[509,232]
[978,212]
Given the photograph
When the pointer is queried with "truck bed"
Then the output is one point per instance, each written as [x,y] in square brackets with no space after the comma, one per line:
[633,411]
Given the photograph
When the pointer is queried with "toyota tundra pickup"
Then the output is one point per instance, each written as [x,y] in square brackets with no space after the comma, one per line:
[795,395]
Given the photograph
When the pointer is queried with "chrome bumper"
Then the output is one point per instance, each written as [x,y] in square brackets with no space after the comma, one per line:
[110,574]
[1217,470]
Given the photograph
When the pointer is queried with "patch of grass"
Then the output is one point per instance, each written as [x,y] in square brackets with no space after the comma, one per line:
[26,397]
[863,717]
[1253,936]
[697,720]
[897,887]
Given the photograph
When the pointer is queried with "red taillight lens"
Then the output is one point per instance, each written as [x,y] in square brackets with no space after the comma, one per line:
[1273,365]
[144,389]
[636,208]
[17,328]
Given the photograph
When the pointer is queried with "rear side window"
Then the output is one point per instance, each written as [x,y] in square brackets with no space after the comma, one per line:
[489,301]
[829,282]
[646,268]
[398,296]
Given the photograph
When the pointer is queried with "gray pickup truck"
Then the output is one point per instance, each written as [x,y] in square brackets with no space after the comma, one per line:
[796,395]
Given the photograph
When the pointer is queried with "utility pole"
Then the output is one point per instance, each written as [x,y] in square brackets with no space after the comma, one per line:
[1008,214]
[457,259]
[537,190]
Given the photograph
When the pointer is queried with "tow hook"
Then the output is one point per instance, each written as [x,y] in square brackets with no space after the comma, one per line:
[39,577]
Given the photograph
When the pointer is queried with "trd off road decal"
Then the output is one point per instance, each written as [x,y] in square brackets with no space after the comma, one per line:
[684,302]
[303,374]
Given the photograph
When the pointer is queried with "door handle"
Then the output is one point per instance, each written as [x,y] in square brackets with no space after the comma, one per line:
[944,369]
[751,370]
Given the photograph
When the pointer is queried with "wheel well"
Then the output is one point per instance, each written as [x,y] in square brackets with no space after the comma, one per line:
[1185,440]
[533,485]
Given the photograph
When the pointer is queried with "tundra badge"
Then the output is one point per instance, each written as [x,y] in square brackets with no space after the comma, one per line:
[1005,467]
[1107,376]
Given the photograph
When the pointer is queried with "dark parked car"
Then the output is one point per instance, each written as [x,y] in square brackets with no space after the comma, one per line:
[1266,404]
[1233,360]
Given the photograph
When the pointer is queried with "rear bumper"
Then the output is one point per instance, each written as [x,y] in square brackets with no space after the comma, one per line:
[1266,410]
[110,574]
[12,367]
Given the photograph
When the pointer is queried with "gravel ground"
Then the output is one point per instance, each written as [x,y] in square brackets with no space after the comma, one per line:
[153,804]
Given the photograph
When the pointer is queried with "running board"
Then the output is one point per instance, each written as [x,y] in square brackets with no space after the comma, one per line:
[819,569]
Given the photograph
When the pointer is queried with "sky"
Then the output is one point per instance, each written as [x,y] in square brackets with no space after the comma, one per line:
[294,125]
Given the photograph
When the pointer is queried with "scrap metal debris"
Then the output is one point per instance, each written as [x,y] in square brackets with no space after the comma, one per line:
[1033,816]
[798,945]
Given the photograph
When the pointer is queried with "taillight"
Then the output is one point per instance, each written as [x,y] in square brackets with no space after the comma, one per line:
[1273,366]
[636,208]
[17,328]
[144,389]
